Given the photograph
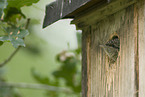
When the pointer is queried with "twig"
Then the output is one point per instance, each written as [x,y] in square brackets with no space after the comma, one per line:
[35,86]
[16,50]
[27,24]
[10,57]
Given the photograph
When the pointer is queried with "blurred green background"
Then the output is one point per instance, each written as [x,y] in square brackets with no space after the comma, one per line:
[42,47]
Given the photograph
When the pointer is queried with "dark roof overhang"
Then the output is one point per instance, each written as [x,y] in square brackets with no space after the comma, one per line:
[61,9]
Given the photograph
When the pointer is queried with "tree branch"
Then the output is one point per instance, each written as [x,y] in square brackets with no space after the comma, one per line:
[16,50]
[10,57]
[27,24]
[35,86]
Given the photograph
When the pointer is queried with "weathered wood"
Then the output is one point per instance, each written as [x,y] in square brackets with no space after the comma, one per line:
[99,12]
[126,18]
[119,80]
[126,78]
[61,8]
[76,9]
[85,61]
[136,51]
[141,47]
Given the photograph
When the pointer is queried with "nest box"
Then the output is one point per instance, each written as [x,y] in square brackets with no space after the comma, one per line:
[101,21]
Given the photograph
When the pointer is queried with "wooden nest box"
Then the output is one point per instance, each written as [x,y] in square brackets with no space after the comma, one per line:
[113,44]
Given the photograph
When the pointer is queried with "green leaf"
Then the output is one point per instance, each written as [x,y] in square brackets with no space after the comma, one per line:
[3,27]
[20,3]
[1,43]
[2,5]
[17,42]
[13,10]
[13,14]
[4,38]
[22,33]
[15,36]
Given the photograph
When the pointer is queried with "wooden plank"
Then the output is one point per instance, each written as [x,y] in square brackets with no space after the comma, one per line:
[141,44]
[60,8]
[85,62]
[76,9]
[136,51]
[99,12]
[67,9]
[119,80]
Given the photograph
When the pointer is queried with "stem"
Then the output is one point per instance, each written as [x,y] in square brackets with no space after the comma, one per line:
[35,86]
[10,57]
[16,50]
[27,24]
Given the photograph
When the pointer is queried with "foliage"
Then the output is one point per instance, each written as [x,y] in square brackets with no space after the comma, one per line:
[69,71]
[15,36]
[13,12]
[12,31]
[2,5]
[10,14]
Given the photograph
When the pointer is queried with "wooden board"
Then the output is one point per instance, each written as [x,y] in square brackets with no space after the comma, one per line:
[61,8]
[100,11]
[85,61]
[68,9]
[141,47]
[76,9]
[119,80]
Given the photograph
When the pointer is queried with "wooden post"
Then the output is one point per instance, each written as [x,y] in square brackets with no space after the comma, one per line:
[126,77]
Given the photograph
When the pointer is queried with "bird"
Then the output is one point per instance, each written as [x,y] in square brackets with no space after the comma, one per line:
[112,48]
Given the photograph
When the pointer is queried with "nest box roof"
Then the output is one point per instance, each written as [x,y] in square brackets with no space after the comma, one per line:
[66,9]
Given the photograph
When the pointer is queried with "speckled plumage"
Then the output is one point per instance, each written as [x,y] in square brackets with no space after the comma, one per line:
[111,48]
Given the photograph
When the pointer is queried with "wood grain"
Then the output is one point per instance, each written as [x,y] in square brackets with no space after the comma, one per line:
[119,80]
[141,41]
[100,11]
[85,62]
